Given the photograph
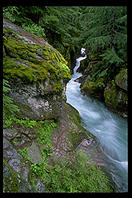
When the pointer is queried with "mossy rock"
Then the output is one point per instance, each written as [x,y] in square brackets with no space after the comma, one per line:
[115,98]
[110,95]
[94,88]
[121,79]
[12,180]
[32,62]
[76,133]
[89,87]
[25,112]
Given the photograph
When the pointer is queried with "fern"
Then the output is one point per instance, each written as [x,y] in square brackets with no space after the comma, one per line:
[10,12]
[34,29]
[9,108]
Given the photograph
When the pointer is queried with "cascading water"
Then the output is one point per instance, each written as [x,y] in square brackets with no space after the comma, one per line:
[109,128]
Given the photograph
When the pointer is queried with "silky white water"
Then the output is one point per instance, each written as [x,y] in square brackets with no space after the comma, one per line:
[109,128]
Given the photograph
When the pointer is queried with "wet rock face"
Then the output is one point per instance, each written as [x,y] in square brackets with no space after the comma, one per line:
[20,136]
[69,137]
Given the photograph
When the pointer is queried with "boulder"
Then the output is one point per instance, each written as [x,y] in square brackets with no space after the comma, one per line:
[121,79]
[36,71]
[116,99]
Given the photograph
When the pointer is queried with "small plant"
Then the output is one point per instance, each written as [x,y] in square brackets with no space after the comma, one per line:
[77,177]
[23,152]
[26,122]
[9,108]
[38,169]
[45,137]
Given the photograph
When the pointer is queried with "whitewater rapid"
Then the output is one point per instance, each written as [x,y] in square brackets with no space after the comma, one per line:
[110,129]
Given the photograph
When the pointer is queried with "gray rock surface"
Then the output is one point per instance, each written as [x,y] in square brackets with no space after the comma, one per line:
[34,153]
[91,148]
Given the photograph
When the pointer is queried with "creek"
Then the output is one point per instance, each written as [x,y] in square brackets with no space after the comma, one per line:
[110,129]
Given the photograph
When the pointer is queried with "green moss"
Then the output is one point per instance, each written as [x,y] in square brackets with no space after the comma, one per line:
[24,107]
[121,74]
[57,87]
[110,95]
[65,71]
[11,183]
[34,70]
[50,53]
[77,132]
[121,79]
[89,87]
[124,98]
[15,141]
[22,62]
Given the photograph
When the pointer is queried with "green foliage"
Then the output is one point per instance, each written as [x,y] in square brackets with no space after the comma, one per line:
[44,137]
[78,177]
[10,12]
[32,69]
[65,177]
[59,24]
[27,17]
[109,57]
[23,152]
[9,108]
[34,29]
[104,32]
[38,169]
[26,122]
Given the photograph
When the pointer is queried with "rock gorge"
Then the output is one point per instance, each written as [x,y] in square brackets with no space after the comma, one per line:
[38,74]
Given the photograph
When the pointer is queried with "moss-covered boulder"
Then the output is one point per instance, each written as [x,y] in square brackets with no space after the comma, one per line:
[116,99]
[37,72]
[121,79]
[93,88]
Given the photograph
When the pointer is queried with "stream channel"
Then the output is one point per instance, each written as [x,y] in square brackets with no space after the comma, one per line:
[110,129]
